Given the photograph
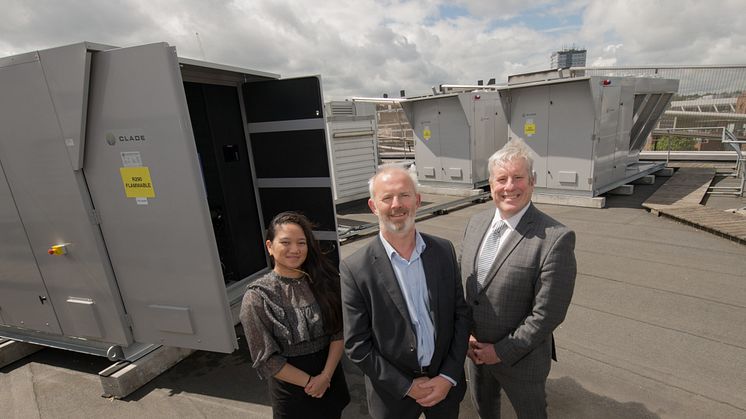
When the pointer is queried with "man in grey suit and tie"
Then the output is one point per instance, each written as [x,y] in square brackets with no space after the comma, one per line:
[406,323]
[519,269]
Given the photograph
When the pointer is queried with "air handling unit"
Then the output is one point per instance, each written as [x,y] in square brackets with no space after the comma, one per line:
[134,190]
[586,132]
[454,135]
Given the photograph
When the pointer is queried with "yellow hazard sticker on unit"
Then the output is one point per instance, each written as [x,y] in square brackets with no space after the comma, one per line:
[137,183]
[529,127]
[426,134]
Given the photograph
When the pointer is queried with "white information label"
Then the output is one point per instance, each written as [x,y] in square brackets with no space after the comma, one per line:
[131,159]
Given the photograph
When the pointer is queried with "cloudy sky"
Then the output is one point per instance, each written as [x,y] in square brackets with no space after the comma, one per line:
[368,47]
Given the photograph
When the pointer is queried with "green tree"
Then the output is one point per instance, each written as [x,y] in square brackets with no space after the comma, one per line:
[676,143]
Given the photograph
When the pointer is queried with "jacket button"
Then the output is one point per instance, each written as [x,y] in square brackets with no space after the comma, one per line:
[411,349]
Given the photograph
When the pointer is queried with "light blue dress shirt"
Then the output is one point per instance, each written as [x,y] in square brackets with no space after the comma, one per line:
[411,277]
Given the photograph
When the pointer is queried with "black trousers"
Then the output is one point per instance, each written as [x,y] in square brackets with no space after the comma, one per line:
[290,401]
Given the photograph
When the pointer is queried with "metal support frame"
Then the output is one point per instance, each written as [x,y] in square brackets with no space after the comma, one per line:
[12,351]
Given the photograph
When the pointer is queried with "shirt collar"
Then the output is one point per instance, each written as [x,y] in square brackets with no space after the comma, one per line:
[511,222]
[419,246]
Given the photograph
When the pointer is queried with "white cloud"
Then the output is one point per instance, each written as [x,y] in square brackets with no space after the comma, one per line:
[669,31]
[608,57]
[369,47]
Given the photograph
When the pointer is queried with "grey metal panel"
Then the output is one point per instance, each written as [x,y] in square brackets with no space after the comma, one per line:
[52,202]
[489,129]
[425,122]
[86,320]
[626,110]
[354,150]
[22,291]
[162,248]
[607,133]
[529,112]
[455,142]
[29,57]
[66,71]
[571,124]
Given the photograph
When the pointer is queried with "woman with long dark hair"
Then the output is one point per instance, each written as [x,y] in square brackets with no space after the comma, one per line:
[292,318]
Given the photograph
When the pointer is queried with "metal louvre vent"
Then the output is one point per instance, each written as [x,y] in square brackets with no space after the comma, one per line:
[342,108]
[646,113]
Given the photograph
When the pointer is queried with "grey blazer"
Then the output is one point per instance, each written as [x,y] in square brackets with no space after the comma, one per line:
[379,337]
[527,291]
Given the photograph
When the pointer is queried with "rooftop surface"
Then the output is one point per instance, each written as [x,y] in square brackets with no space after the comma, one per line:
[655,330]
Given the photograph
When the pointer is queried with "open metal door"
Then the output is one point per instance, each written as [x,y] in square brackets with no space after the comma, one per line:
[144,177]
[290,154]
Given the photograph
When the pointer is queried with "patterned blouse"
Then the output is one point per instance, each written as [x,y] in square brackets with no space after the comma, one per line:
[281,318]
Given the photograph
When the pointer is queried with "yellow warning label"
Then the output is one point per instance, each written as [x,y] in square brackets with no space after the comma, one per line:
[529,127]
[426,134]
[137,183]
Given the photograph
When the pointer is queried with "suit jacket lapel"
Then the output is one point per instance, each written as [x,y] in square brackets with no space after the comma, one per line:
[384,271]
[431,266]
[481,225]
[523,227]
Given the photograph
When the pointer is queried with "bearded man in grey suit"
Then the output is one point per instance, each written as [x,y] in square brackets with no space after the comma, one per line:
[519,269]
[406,324]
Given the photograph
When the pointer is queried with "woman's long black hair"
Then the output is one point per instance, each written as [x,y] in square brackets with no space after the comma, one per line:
[322,275]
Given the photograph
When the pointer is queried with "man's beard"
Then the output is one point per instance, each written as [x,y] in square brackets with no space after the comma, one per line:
[401,227]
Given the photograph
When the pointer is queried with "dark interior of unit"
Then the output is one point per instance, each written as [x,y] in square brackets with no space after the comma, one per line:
[215,114]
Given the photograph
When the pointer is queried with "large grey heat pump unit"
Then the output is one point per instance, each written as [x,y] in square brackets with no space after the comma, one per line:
[454,135]
[134,190]
[586,132]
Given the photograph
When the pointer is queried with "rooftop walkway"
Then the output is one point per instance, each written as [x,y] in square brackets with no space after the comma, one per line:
[681,198]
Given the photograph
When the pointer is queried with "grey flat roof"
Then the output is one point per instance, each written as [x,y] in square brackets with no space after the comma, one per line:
[656,329]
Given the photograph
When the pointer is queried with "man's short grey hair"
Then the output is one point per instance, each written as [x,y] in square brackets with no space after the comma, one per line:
[515,149]
[390,168]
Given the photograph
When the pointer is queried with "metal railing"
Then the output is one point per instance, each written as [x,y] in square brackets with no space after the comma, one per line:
[687,139]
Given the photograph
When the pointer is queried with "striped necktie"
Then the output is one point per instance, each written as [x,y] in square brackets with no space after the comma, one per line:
[489,252]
